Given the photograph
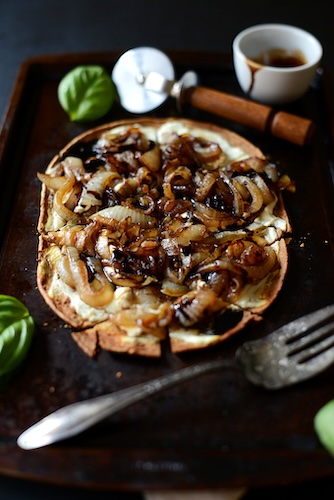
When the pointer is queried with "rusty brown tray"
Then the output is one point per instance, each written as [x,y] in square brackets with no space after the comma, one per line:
[215,431]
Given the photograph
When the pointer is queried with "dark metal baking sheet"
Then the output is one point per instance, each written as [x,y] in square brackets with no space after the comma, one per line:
[215,431]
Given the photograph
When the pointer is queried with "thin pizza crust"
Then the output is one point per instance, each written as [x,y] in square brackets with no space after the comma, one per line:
[139,317]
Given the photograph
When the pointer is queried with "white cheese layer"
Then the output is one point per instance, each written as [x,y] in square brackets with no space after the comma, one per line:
[168,128]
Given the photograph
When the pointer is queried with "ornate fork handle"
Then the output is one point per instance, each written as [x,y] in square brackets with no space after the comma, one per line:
[77,417]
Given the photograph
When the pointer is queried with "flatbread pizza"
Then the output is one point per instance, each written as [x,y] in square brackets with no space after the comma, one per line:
[156,231]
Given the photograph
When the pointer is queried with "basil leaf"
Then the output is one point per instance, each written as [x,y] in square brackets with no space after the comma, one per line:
[324,426]
[86,93]
[16,331]
[10,308]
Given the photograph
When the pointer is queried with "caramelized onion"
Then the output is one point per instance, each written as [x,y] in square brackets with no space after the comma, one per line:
[206,150]
[188,233]
[73,166]
[256,199]
[92,192]
[218,265]
[51,182]
[204,184]
[267,196]
[286,183]
[226,285]
[167,190]
[238,202]
[173,289]
[151,321]
[99,292]
[176,269]
[259,271]
[102,246]
[179,175]
[62,196]
[80,236]
[195,306]
[127,187]
[147,204]
[120,212]
[64,271]
[256,261]
[120,279]
[213,219]
[152,158]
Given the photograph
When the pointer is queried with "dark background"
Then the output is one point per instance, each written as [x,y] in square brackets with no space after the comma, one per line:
[37,27]
[30,28]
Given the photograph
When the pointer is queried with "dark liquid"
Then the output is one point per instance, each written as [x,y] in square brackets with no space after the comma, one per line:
[281,58]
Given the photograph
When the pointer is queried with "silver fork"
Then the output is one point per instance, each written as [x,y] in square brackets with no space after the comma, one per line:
[295,352]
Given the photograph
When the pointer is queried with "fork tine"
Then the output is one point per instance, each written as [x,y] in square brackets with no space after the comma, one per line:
[312,343]
[315,365]
[300,325]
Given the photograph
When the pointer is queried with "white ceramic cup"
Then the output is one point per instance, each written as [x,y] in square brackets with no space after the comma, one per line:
[271,84]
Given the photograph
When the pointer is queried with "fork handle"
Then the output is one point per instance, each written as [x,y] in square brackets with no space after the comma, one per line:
[77,417]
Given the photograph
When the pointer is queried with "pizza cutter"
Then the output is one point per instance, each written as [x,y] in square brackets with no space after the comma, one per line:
[145,78]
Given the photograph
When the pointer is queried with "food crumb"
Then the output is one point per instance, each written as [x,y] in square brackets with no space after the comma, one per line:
[46,323]
[119,374]
[52,389]
[302,245]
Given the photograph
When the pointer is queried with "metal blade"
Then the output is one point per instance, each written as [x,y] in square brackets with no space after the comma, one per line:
[132,68]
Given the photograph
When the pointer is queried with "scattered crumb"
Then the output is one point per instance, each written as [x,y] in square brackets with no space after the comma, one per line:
[119,374]
[302,245]
[46,323]
[52,389]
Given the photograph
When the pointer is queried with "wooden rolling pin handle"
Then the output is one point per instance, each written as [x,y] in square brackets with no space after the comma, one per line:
[280,124]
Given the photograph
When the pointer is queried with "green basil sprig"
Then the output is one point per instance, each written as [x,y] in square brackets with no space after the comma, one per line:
[86,93]
[16,330]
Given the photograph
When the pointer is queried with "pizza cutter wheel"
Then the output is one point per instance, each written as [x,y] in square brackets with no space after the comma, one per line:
[145,78]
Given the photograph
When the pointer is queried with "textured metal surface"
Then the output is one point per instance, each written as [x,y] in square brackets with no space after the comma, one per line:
[215,431]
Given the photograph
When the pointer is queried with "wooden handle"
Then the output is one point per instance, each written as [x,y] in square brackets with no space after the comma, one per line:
[280,124]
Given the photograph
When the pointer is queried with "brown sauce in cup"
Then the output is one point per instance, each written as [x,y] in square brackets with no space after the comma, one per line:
[278,58]
[281,58]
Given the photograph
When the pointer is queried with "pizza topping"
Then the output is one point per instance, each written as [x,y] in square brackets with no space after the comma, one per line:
[92,192]
[150,232]
[120,212]
[63,197]
[256,261]
[96,292]
[151,158]
[194,306]
[81,236]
